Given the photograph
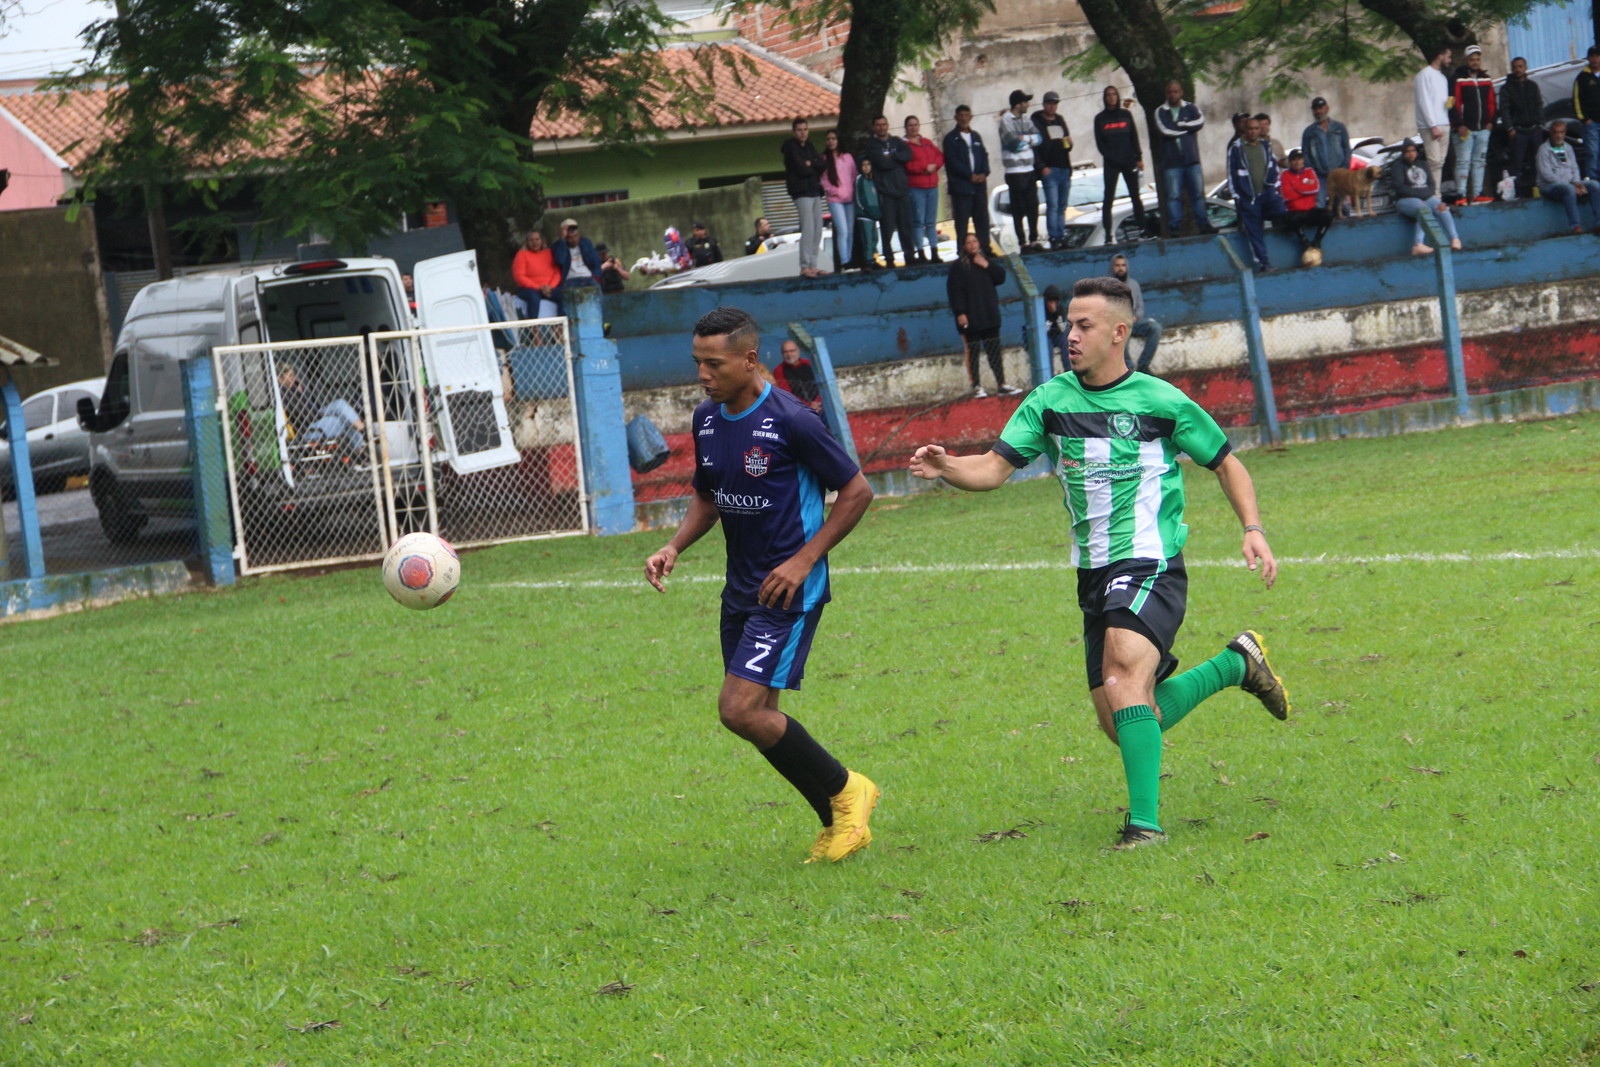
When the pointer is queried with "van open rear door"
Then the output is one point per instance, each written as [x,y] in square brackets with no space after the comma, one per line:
[462,365]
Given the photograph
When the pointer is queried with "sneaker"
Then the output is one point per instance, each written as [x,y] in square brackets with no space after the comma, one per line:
[852,807]
[979,392]
[1131,836]
[1009,390]
[1483,200]
[1459,201]
[1260,681]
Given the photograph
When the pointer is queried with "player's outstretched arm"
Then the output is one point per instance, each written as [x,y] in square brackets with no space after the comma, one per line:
[1241,493]
[779,586]
[974,473]
[702,515]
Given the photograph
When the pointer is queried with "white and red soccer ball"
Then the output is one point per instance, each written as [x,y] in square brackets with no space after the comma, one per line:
[421,570]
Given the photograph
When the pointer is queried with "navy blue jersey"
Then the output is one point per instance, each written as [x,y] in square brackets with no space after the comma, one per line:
[767,470]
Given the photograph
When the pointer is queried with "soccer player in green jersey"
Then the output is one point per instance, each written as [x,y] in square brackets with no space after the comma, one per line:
[1113,437]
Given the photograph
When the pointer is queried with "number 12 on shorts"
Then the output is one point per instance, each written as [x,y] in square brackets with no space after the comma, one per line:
[754,662]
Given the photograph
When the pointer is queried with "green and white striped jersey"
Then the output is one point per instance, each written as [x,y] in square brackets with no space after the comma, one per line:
[1115,451]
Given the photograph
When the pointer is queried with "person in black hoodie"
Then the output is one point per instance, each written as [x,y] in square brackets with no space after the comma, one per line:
[1118,141]
[1522,112]
[802,177]
[973,287]
[1053,157]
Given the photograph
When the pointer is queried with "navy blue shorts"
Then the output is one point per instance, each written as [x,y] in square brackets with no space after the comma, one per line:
[1147,596]
[768,646]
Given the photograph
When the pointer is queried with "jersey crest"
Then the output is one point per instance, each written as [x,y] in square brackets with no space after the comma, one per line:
[757,462]
[1125,425]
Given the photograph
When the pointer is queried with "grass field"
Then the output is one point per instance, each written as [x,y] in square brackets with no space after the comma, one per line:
[292,822]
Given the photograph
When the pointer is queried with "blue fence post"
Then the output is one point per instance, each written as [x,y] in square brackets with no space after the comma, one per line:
[22,481]
[833,412]
[1449,317]
[1260,373]
[208,469]
[602,431]
[1034,336]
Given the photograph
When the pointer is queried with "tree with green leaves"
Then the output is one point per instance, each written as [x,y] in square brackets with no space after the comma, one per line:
[341,116]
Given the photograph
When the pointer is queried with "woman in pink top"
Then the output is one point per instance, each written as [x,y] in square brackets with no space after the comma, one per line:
[922,174]
[839,186]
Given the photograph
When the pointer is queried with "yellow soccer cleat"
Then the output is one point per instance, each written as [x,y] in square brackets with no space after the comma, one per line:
[852,807]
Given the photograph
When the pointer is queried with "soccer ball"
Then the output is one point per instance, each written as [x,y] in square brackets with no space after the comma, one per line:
[421,571]
[1312,257]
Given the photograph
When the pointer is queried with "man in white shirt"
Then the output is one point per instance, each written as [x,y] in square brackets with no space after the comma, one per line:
[1430,89]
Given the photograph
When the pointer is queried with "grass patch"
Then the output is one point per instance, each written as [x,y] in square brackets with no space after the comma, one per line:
[293,822]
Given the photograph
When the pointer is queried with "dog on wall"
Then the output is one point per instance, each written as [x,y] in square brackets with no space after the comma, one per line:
[1353,187]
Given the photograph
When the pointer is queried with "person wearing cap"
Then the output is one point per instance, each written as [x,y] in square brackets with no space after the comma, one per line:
[966,176]
[1180,123]
[703,248]
[1430,92]
[1409,183]
[1303,196]
[1586,105]
[1472,114]
[1018,138]
[1053,156]
[802,178]
[575,258]
[1326,145]
[1521,111]
[889,157]
[1117,139]
[1253,177]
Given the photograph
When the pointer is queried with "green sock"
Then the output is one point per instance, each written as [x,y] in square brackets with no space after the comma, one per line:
[1182,693]
[1139,737]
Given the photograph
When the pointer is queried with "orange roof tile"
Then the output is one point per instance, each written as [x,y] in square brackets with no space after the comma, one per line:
[70,123]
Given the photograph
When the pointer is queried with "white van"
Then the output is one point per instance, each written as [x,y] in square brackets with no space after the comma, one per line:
[140,457]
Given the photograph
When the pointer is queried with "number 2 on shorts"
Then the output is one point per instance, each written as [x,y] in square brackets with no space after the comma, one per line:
[754,663]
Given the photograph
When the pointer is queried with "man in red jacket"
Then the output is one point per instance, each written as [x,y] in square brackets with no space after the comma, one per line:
[1300,186]
[1473,117]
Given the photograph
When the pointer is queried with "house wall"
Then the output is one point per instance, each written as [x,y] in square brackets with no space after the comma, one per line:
[669,166]
[51,294]
[36,178]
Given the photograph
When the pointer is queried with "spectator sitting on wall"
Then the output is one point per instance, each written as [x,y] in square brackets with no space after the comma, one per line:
[763,231]
[1055,324]
[613,275]
[576,258]
[796,375]
[1522,113]
[335,422]
[1143,326]
[1302,192]
[537,278]
[703,248]
[1409,184]
[1560,180]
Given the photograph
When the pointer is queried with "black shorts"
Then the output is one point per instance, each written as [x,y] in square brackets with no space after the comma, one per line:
[1147,596]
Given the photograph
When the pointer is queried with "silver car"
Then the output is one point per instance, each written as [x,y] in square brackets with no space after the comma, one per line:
[58,447]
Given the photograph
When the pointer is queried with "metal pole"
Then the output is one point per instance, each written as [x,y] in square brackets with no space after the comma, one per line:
[1034,336]
[1449,317]
[22,481]
[833,412]
[208,470]
[1255,348]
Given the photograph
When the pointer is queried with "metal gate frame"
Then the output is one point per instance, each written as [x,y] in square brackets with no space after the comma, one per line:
[422,429]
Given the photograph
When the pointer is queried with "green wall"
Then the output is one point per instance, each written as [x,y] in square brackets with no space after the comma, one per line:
[671,166]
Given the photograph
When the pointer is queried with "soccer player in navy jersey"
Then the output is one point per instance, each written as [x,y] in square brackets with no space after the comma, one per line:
[763,461]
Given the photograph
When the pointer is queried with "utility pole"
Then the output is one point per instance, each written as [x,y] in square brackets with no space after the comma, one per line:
[154,207]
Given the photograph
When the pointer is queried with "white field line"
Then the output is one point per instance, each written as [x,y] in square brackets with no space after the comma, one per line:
[1062,565]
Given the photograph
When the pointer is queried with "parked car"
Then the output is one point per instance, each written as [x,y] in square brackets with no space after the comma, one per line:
[1083,199]
[781,259]
[58,447]
[140,457]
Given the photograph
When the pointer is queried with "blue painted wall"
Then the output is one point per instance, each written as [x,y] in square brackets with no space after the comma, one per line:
[885,315]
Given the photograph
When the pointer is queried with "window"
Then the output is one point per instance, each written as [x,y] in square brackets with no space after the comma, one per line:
[40,411]
[555,203]
[67,408]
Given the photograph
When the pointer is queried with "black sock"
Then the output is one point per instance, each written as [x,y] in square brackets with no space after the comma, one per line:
[808,767]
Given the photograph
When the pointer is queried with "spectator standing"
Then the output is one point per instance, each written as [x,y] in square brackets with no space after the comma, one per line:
[1053,156]
[1586,100]
[973,286]
[537,277]
[576,259]
[1180,123]
[1018,137]
[922,175]
[613,275]
[1253,176]
[890,156]
[802,177]
[1144,326]
[1055,325]
[1275,147]
[1430,91]
[966,170]
[759,238]
[1303,196]
[839,186]
[1117,140]
[1410,184]
[1325,145]
[1472,114]
[703,248]
[797,375]
[1560,181]
[1522,114]
[868,214]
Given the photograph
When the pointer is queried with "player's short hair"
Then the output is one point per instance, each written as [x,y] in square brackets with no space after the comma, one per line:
[1117,294]
[736,324]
